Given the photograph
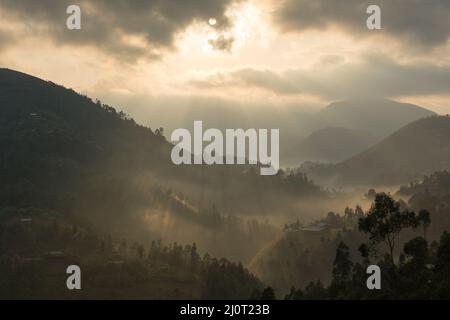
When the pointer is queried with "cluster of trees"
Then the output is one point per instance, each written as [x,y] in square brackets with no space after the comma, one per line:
[433,193]
[220,234]
[437,183]
[419,272]
[211,217]
[349,220]
[111,267]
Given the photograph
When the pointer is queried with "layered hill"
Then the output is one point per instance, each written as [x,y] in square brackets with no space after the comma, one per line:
[62,151]
[46,127]
[419,148]
[84,184]
[380,117]
[345,128]
[333,144]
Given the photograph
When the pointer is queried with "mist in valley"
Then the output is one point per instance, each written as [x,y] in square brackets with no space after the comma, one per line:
[88,176]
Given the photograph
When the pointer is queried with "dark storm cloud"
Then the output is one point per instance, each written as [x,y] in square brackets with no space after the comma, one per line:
[423,23]
[376,76]
[107,23]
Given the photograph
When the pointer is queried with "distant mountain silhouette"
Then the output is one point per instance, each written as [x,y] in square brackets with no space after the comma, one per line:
[419,148]
[379,117]
[332,144]
[345,128]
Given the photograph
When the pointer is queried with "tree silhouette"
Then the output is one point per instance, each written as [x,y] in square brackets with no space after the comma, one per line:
[417,250]
[425,220]
[342,265]
[385,221]
[268,294]
[342,270]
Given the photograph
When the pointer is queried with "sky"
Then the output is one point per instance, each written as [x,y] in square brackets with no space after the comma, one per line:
[159,59]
